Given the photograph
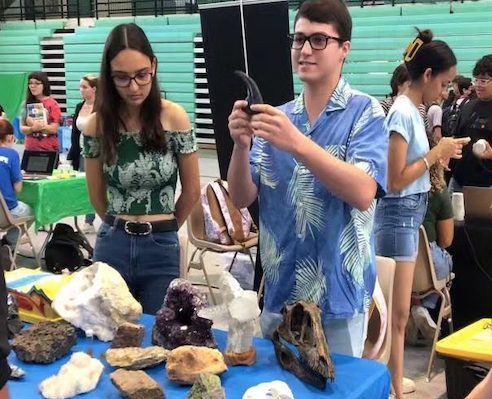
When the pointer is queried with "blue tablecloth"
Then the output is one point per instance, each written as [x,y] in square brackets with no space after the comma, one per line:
[355,378]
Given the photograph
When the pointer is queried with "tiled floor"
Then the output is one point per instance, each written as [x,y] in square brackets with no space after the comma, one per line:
[415,358]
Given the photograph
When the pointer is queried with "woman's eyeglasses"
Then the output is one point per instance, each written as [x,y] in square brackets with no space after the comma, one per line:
[141,79]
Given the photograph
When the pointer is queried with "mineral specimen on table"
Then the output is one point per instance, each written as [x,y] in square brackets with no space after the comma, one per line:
[136,358]
[128,335]
[185,363]
[98,301]
[244,311]
[81,374]
[207,386]
[177,323]
[269,390]
[136,385]
[44,342]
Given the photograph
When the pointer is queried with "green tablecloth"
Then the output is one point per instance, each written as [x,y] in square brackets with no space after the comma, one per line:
[53,200]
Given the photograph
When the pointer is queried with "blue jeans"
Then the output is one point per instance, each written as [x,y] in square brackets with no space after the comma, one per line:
[147,263]
[20,211]
[443,264]
[344,336]
[396,227]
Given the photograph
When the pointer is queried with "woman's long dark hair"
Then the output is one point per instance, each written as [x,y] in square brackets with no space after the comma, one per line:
[41,77]
[108,101]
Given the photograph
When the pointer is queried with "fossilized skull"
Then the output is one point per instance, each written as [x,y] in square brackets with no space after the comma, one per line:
[302,327]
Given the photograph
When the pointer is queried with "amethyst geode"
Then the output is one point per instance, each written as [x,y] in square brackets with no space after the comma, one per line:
[177,323]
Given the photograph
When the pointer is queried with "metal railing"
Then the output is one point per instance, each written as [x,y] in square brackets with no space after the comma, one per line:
[62,9]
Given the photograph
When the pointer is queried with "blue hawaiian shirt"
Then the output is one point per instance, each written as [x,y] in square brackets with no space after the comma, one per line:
[313,245]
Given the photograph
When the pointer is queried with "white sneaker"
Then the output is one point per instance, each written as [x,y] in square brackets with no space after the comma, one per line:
[424,322]
[88,228]
[408,385]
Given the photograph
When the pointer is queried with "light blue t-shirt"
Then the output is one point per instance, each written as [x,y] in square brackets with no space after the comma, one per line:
[404,118]
[314,246]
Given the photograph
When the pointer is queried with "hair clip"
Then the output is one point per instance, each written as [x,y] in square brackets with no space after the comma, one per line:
[412,49]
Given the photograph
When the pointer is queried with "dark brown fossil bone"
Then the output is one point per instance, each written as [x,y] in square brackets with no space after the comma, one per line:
[302,327]
[253,92]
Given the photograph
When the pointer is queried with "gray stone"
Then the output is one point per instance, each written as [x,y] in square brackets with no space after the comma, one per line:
[44,342]
[136,385]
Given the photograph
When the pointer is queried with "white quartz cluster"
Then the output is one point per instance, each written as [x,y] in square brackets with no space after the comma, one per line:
[243,311]
[97,300]
[81,374]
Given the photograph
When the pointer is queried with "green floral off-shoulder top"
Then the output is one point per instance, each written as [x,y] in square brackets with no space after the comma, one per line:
[142,182]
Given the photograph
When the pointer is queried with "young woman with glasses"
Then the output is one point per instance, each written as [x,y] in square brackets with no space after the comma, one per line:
[41,130]
[135,146]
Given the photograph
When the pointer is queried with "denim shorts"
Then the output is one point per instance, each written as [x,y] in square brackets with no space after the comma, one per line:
[396,227]
[147,263]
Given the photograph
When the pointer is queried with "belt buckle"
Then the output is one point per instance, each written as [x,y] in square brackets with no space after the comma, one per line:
[130,223]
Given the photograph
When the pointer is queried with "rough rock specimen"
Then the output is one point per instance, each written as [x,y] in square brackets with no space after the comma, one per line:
[207,386]
[177,323]
[136,358]
[98,301]
[81,374]
[44,342]
[269,390]
[185,363]
[136,385]
[128,335]
[247,358]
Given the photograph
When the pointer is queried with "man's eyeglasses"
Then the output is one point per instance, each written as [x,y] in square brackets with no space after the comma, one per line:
[141,79]
[318,41]
[481,81]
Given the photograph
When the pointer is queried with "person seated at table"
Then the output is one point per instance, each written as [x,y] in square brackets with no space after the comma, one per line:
[10,184]
[88,86]
[135,146]
[41,127]
[439,226]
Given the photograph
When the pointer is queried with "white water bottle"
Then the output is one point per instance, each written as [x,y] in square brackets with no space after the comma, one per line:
[479,147]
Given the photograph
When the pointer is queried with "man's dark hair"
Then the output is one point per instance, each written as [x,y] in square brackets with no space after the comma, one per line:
[333,12]
[483,66]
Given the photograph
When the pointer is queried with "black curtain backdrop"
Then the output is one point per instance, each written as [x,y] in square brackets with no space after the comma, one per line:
[268,53]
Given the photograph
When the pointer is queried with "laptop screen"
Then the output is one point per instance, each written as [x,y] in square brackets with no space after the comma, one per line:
[42,162]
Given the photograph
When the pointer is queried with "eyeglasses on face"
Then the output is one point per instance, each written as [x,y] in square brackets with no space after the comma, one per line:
[317,41]
[35,83]
[141,79]
[481,81]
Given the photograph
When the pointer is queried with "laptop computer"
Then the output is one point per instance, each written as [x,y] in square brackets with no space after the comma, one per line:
[478,204]
[38,165]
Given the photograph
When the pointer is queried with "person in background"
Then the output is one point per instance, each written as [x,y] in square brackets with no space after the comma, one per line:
[399,83]
[324,158]
[434,117]
[431,65]
[462,88]
[88,87]
[136,145]
[10,184]
[2,112]
[475,120]
[41,132]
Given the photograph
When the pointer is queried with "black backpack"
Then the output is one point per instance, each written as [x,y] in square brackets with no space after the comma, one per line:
[449,119]
[64,250]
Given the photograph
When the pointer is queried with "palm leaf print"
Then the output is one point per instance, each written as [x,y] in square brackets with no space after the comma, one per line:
[271,256]
[310,280]
[267,173]
[308,207]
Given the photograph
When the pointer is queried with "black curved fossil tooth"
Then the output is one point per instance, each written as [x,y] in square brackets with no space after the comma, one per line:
[253,92]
